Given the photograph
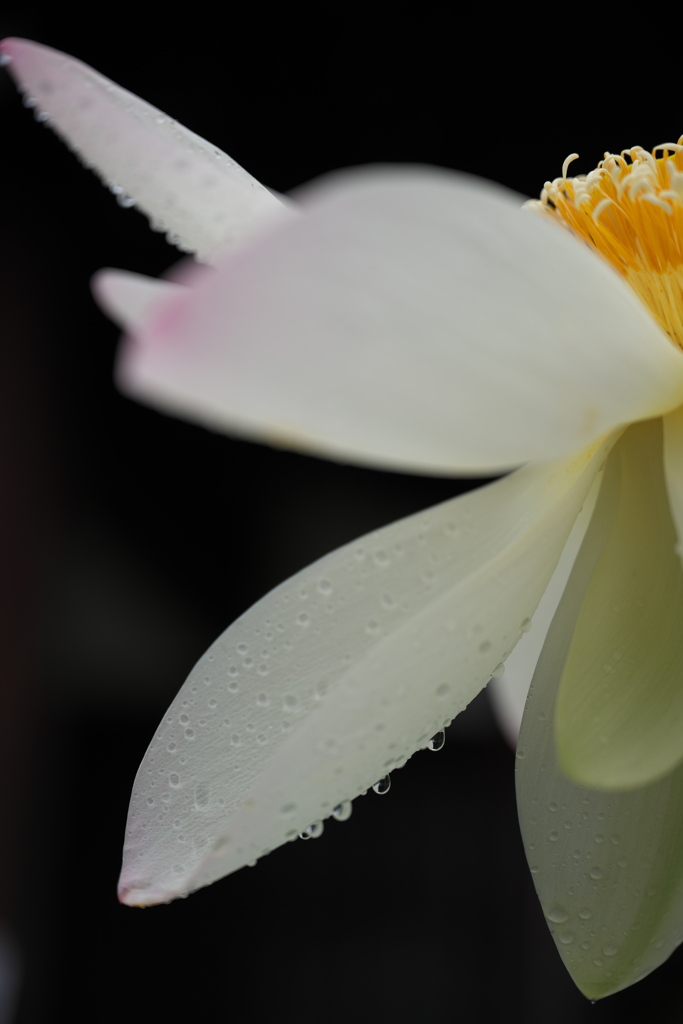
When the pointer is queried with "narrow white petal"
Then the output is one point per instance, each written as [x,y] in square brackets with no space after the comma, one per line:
[185,185]
[340,674]
[508,690]
[411,318]
[129,298]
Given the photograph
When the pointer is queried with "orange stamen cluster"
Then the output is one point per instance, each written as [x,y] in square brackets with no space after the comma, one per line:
[630,210]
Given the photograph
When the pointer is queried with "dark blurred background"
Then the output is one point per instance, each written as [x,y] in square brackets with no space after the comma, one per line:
[118,534]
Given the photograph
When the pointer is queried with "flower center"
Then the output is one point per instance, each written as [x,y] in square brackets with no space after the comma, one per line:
[630,209]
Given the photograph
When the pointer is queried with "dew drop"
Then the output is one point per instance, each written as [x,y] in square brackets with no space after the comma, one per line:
[342,812]
[383,786]
[554,836]
[303,619]
[437,741]
[313,831]
[585,914]
[610,949]
[171,747]
[595,873]
[174,780]
[557,913]
[184,719]
[566,937]
[189,734]
[324,587]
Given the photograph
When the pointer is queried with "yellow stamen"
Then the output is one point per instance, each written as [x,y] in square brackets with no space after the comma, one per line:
[630,210]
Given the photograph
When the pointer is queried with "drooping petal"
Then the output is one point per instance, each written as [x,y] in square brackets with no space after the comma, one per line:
[411,318]
[607,866]
[340,674]
[620,705]
[185,185]
[508,690]
[673,470]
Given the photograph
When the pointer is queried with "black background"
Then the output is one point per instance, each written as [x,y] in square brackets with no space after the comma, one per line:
[128,541]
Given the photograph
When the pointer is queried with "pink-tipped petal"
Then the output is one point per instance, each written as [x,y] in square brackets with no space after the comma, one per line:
[185,185]
[414,319]
[129,298]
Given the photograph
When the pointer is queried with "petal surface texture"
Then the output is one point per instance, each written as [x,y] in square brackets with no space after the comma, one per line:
[606,865]
[411,318]
[340,675]
[620,704]
[186,186]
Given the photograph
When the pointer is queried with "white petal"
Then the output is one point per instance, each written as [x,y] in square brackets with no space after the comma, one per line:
[185,185]
[508,690]
[411,318]
[339,675]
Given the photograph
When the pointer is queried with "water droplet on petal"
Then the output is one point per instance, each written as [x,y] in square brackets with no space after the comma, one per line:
[383,786]
[437,741]
[342,812]
[313,831]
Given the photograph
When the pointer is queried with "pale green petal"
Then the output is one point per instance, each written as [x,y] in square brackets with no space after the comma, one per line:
[185,185]
[673,469]
[607,866]
[508,690]
[620,705]
[340,674]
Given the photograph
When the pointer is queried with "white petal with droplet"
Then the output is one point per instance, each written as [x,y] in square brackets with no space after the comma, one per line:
[340,674]
[185,185]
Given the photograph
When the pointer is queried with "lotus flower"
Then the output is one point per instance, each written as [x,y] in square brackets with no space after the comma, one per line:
[414,318]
